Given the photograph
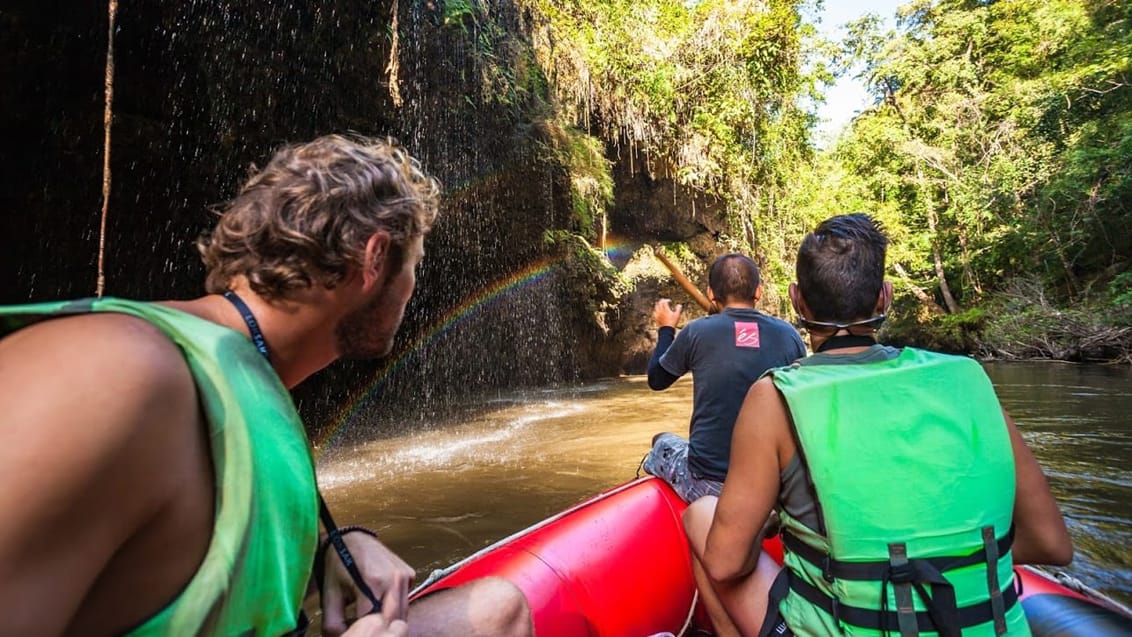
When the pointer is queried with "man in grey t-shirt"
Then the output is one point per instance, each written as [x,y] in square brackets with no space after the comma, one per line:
[726,352]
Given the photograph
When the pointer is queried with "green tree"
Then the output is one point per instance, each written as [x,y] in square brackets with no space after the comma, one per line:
[709,89]
[997,146]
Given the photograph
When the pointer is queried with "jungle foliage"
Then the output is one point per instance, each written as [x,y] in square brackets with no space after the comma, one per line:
[708,89]
[998,152]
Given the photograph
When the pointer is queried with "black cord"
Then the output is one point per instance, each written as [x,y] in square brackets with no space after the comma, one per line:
[334,535]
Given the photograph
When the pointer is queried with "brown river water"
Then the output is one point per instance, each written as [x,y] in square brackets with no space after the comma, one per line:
[457,484]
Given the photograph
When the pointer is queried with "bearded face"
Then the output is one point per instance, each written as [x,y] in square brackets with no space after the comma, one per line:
[368,331]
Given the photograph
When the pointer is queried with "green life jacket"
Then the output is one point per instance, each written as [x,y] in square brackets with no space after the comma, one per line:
[254,575]
[912,467]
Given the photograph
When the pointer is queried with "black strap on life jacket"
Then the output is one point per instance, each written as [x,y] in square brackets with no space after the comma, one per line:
[907,576]
[778,592]
[864,571]
[966,616]
[993,552]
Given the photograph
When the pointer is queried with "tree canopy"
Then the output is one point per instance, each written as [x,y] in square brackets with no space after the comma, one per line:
[996,151]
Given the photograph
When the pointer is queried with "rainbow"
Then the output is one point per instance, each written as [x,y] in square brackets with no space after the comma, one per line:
[616,247]
[469,306]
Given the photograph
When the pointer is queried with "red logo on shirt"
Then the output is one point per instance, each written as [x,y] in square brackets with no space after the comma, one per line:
[746,334]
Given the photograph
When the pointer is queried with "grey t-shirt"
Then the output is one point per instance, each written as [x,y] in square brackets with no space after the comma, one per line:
[726,353]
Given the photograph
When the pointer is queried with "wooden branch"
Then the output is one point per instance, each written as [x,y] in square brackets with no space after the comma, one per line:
[688,286]
[917,291]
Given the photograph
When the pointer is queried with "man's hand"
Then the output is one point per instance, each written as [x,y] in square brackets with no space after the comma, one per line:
[387,575]
[665,315]
[375,626]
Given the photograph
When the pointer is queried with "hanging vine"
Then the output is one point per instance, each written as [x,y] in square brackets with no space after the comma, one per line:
[394,66]
[107,118]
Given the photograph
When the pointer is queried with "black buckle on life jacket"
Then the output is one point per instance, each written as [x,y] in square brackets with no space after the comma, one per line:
[902,573]
[827,568]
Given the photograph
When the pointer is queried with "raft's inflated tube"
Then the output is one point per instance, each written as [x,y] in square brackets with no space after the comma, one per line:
[1053,615]
[618,565]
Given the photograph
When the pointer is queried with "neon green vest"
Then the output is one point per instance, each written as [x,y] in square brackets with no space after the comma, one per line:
[910,459]
[255,573]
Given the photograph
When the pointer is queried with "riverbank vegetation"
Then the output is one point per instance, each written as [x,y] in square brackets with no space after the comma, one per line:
[997,150]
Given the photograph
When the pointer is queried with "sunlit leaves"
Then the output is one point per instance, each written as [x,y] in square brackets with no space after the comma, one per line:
[700,83]
[1009,121]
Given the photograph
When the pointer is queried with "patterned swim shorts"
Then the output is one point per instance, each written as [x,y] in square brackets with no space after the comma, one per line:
[668,461]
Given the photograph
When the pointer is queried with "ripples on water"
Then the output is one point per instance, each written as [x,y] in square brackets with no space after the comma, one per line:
[500,469]
[473,478]
[1076,420]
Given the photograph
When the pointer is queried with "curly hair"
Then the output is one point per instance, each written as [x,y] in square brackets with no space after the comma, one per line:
[305,218]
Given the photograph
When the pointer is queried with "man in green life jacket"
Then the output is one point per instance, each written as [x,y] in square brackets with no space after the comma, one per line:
[154,475]
[905,492]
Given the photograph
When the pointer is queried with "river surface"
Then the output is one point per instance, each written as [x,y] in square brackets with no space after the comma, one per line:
[457,484]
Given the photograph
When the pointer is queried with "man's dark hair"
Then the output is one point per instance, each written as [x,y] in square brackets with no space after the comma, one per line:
[733,276]
[840,268]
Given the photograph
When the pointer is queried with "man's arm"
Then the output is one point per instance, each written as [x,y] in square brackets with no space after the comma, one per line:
[660,378]
[89,413]
[666,318]
[1040,535]
[751,488]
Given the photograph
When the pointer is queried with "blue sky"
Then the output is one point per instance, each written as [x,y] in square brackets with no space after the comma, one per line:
[845,98]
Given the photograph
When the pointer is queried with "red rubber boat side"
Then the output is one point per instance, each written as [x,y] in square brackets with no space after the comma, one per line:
[618,565]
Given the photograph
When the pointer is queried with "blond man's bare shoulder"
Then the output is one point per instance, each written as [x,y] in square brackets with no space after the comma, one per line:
[99,432]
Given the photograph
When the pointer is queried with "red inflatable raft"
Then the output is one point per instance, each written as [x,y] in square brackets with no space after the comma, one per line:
[617,565]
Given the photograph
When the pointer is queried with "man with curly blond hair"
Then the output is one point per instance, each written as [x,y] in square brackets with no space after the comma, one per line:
[157,476]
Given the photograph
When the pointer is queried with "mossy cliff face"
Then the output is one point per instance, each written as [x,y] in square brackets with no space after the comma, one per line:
[517,288]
